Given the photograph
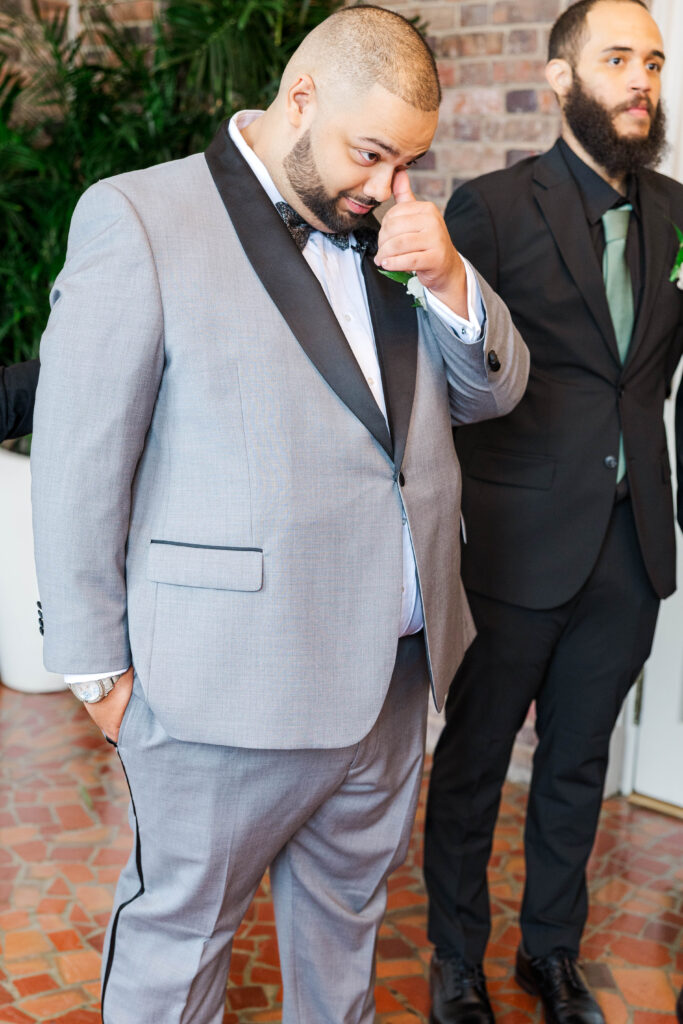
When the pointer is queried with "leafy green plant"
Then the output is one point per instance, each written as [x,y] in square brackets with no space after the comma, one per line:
[85,108]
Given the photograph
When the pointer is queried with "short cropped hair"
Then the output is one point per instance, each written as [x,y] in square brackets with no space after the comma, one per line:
[568,34]
[371,45]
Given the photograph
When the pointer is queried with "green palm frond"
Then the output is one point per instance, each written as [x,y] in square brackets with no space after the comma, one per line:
[88,107]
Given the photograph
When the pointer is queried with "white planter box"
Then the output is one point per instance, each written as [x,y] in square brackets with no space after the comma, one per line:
[21,645]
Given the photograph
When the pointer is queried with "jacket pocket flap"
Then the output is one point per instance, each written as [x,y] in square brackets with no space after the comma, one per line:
[501,467]
[200,565]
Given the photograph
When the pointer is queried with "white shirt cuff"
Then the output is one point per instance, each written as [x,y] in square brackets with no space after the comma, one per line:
[470,330]
[96,675]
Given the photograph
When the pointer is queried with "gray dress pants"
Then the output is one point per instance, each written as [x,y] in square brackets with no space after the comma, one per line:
[209,820]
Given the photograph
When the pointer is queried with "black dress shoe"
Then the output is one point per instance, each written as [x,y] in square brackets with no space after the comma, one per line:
[558,980]
[459,993]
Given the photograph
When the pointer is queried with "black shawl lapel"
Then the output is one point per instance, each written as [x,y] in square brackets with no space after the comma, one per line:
[558,197]
[657,228]
[290,282]
[395,326]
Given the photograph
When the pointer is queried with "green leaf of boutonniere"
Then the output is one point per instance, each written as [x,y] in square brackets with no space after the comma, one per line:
[402,276]
[677,269]
[412,283]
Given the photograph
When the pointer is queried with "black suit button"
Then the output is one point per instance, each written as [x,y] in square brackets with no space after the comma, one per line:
[611,461]
[401,479]
[493,361]
[620,390]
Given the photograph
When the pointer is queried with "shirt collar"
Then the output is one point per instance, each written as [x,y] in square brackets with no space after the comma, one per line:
[238,122]
[597,195]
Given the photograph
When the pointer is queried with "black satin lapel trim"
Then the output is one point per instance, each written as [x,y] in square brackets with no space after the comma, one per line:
[290,282]
[564,214]
[655,213]
[394,322]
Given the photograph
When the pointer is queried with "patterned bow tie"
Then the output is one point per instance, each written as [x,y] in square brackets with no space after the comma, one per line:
[300,230]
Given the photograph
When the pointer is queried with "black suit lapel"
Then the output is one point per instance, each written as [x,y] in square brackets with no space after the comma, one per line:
[654,209]
[558,197]
[394,323]
[290,282]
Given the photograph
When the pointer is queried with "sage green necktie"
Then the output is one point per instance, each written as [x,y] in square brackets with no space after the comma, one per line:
[619,289]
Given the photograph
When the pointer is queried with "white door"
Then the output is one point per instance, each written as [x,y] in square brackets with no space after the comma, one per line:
[659,741]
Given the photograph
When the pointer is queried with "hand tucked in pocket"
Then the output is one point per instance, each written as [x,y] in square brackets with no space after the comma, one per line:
[108,714]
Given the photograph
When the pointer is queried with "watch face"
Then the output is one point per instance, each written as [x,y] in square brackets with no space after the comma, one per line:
[89,692]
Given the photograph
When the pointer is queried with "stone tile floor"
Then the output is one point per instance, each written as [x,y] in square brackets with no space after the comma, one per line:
[64,836]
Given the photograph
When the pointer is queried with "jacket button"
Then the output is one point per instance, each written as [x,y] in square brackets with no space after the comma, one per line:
[493,361]
[610,462]
[401,479]
[620,390]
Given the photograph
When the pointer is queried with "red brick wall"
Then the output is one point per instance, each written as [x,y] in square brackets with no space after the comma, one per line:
[136,15]
[496,104]
[491,54]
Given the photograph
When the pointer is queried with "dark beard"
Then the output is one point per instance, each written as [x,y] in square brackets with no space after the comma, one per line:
[305,179]
[593,126]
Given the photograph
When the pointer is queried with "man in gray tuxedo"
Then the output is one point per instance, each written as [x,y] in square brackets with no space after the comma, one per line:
[257,517]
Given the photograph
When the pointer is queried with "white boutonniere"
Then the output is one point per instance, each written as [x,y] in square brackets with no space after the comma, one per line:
[677,269]
[414,286]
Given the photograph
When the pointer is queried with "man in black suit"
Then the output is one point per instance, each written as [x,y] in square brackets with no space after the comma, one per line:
[17,394]
[567,503]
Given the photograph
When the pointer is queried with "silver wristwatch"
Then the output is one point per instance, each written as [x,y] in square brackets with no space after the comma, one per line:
[95,690]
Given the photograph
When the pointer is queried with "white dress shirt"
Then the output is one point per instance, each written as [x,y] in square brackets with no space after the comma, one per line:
[339,273]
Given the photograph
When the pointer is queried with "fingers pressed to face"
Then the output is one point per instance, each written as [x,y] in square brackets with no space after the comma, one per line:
[401,188]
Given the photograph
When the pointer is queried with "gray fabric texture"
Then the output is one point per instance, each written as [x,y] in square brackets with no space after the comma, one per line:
[332,825]
[205,505]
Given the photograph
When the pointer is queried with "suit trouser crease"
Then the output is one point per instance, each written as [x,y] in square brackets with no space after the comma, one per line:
[209,821]
[578,662]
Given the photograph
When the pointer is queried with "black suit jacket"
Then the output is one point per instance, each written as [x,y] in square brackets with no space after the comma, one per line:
[539,484]
[17,395]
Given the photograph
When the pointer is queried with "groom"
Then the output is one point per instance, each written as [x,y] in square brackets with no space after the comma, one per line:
[248,564]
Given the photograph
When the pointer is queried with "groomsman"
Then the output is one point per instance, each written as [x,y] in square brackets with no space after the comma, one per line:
[567,503]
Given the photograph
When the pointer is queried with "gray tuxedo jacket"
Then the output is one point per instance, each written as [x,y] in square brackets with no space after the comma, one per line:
[217,498]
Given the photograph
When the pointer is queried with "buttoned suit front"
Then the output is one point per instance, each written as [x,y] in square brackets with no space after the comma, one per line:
[564,574]
[229,519]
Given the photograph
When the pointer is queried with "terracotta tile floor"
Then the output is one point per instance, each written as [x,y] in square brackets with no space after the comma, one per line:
[63,837]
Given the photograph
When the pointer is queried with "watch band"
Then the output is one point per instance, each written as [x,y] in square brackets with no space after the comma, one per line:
[95,690]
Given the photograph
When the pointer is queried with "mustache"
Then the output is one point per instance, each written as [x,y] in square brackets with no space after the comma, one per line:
[638,100]
[361,200]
